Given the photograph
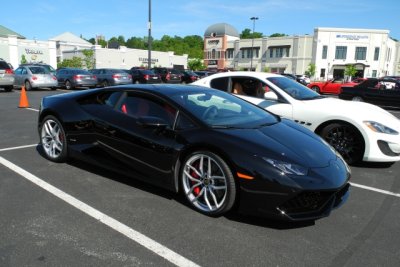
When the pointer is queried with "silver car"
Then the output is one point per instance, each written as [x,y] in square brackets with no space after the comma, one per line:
[106,77]
[6,76]
[32,76]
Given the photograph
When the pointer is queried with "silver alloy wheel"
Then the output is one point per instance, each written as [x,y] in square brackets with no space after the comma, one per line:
[204,183]
[52,137]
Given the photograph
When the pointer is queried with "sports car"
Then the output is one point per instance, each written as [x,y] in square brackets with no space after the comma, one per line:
[219,151]
[358,131]
[332,86]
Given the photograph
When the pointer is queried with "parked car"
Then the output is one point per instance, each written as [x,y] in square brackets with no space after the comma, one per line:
[294,77]
[168,75]
[71,78]
[204,73]
[106,77]
[382,92]
[48,67]
[189,76]
[330,87]
[34,77]
[219,151]
[6,76]
[306,80]
[144,76]
[358,131]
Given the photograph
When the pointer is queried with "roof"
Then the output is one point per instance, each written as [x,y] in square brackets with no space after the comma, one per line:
[5,32]
[70,38]
[220,29]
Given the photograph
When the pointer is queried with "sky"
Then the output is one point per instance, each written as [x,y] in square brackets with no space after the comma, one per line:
[44,19]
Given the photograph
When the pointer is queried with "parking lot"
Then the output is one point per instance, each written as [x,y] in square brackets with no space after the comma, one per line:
[78,215]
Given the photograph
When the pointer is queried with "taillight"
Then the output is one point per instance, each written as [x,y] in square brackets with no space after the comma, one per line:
[168,76]
[34,78]
[116,76]
[94,77]
[54,78]
[77,77]
[146,77]
[129,76]
[9,71]
[193,78]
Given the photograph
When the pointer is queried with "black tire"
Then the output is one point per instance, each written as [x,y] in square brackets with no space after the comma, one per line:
[104,83]
[8,88]
[357,99]
[212,195]
[316,89]
[28,86]
[53,139]
[68,85]
[137,82]
[346,139]
[53,88]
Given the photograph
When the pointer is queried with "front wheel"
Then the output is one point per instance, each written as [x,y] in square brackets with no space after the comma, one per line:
[357,99]
[316,89]
[208,183]
[53,139]
[346,139]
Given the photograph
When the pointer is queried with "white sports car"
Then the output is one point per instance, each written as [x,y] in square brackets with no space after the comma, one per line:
[358,131]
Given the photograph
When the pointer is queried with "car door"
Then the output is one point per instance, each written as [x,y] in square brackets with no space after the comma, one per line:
[146,150]
[18,81]
[333,87]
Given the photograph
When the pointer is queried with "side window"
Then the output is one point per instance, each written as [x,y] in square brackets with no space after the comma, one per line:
[184,123]
[18,71]
[105,98]
[220,83]
[138,106]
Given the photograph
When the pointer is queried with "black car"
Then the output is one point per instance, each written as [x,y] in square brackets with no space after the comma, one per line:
[382,92]
[168,75]
[144,76]
[215,148]
[71,78]
[189,76]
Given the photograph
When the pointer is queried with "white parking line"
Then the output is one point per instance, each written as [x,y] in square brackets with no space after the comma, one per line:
[134,235]
[375,189]
[17,147]
[33,109]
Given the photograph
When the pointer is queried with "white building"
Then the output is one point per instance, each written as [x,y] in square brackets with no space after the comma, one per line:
[372,52]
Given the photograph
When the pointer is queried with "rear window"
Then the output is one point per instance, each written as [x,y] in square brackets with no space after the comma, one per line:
[38,70]
[4,65]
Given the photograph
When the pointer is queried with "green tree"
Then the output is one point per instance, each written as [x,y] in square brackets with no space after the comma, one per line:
[350,71]
[248,34]
[89,59]
[196,64]
[310,70]
[266,69]
[75,62]
[278,35]
[23,59]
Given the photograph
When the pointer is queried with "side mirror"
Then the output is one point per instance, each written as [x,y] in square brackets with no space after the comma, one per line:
[270,96]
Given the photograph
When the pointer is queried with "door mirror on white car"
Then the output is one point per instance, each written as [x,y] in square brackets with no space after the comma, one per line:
[270,96]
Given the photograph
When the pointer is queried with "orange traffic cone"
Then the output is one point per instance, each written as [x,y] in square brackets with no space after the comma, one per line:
[23,101]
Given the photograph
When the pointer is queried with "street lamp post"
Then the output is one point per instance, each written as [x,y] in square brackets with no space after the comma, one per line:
[149,41]
[252,42]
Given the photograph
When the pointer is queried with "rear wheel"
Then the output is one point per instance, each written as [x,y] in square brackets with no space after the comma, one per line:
[316,89]
[137,82]
[8,88]
[28,86]
[104,83]
[346,139]
[53,140]
[208,183]
[68,85]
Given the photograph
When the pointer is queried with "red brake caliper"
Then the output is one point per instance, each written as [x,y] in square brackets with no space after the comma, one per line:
[196,190]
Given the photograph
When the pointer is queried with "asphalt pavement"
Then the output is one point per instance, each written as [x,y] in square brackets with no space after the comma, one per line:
[74,214]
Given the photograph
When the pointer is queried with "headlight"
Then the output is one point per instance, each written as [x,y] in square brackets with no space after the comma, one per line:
[380,128]
[287,168]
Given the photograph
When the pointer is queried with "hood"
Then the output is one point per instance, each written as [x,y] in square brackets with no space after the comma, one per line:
[359,111]
[289,142]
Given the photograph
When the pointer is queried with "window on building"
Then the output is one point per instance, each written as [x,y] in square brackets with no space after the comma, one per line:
[324,52]
[271,53]
[374,73]
[279,52]
[229,53]
[376,54]
[341,52]
[213,54]
[248,51]
[361,53]
[322,75]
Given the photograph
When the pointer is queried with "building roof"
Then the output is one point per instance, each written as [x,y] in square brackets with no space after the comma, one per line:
[5,32]
[70,38]
[220,29]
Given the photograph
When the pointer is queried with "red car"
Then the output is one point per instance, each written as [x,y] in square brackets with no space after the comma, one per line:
[332,86]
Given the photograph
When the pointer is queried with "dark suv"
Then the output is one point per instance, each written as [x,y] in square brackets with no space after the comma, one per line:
[71,78]
[6,76]
[168,75]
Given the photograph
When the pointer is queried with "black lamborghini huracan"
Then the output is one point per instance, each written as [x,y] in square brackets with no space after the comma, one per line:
[220,151]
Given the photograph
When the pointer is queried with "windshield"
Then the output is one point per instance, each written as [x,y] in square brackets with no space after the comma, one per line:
[222,110]
[293,88]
